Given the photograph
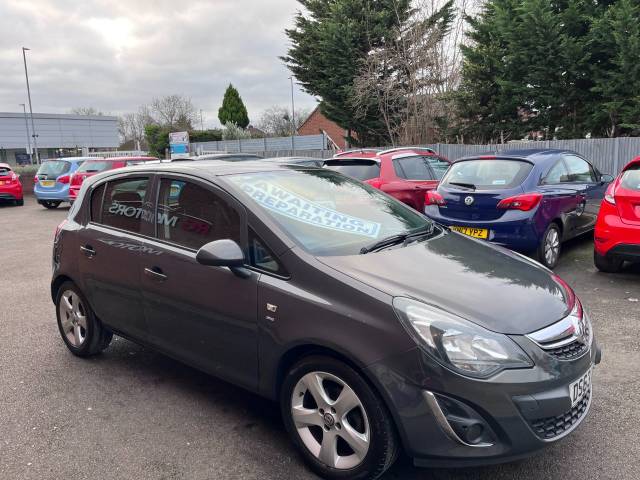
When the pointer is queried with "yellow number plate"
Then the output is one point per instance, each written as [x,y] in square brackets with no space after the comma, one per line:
[47,183]
[472,232]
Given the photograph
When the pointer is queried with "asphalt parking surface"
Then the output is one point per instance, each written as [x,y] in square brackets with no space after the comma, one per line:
[131,413]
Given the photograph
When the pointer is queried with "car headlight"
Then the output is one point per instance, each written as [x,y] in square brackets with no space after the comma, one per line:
[457,343]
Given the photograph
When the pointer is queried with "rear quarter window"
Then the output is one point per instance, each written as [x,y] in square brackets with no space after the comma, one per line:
[488,174]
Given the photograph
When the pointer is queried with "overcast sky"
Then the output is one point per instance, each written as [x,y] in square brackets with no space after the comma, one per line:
[115,55]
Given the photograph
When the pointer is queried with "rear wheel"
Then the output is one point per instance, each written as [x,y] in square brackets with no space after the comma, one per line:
[607,264]
[20,202]
[82,332]
[51,204]
[336,420]
[550,247]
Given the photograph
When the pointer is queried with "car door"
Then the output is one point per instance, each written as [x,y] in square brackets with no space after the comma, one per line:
[583,177]
[109,256]
[200,314]
[413,178]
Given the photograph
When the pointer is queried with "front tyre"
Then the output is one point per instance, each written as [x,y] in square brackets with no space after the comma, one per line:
[550,246]
[607,264]
[82,332]
[336,420]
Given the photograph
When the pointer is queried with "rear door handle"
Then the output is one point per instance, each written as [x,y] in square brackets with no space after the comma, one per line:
[88,250]
[155,273]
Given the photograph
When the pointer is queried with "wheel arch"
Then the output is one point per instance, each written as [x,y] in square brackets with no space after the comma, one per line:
[56,283]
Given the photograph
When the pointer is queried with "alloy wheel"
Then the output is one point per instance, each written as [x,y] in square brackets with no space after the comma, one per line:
[552,246]
[73,318]
[331,420]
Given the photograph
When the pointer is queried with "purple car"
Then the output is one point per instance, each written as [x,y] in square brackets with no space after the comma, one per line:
[528,200]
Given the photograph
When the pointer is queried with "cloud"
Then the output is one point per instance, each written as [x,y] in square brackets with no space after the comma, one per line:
[117,55]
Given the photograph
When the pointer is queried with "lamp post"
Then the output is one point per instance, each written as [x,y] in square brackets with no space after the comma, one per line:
[33,128]
[26,126]
[201,122]
[293,119]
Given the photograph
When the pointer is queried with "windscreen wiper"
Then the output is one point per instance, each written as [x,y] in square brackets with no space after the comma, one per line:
[464,185]
[397,238]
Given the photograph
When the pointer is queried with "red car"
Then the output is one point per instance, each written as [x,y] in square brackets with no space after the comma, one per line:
[10,186]
[406,173]
[91,167]
[617,235]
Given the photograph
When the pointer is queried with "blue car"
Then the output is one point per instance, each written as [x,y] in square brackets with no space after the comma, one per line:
[52,181]
[526,200]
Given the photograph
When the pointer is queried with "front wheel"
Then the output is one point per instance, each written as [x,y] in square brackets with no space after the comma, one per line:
[607,264]
[550,247]
[336,420]
[82,332]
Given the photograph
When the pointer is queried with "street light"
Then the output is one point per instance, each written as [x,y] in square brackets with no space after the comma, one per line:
[26,125]
[293,119]
[33,128]
[201,122]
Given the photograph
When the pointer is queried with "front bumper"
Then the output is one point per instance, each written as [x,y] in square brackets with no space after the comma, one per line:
[513,408]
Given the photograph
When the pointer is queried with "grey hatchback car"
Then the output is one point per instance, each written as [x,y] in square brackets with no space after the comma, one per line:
[374,328]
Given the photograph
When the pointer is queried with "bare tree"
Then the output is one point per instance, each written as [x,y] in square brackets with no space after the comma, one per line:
[85,111]
[276,120]
[173,111]
[131,126]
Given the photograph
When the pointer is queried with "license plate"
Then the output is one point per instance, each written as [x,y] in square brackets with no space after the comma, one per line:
[47,183]
[580,387]
[472,232]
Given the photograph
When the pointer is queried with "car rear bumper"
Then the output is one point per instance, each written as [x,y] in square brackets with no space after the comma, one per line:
[518,233]
[12,192]
[50,194]
[518,411]
[613,237]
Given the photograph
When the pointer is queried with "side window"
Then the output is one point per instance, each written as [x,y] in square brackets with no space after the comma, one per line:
[579,170]
[438,165]
[412,168]
[557,174]
[190,215]
[122,204]
[262,258]
[96,203]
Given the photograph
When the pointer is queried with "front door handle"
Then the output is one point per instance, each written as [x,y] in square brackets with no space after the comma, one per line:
[88,250]
[155,273]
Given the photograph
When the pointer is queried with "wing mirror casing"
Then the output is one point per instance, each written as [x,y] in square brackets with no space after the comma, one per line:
[606,178]
[221,253]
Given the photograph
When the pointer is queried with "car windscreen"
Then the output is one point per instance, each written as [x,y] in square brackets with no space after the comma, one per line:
[358,169]
[93,166]
[327,213]
[54,168]
[631,178]
[487,174]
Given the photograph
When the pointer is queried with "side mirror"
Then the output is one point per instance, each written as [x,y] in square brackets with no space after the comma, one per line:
[606,178]
[221,253]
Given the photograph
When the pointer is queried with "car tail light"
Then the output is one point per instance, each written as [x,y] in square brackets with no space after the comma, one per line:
[374,182]
[35,179]
[434,198]
[609,195]
[64,179]
[59,229]
[14,178]
[525,202]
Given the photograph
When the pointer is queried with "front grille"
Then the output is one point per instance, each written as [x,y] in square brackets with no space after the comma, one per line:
[569,352]
[552,427]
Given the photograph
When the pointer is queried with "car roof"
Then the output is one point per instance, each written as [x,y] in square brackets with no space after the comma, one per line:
[409,148]
[292,159]
[214,168]
[5,165]
[120,159]
[357,151]
[533,155]
[70,159]
[206,156]
[352,159]
[632,163]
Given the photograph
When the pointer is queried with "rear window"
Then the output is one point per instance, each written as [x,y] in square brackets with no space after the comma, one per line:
[485,174]
[4,171]
[631,178]
[358,169]
[92,166]
[54,168]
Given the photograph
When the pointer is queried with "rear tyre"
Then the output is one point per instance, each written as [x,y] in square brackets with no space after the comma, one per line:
[607,264]
[82,332]
[50,204]
[20,202]
[336,420]
[550,247]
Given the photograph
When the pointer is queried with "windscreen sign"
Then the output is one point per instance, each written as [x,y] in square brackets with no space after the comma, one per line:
[283,202]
